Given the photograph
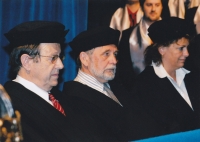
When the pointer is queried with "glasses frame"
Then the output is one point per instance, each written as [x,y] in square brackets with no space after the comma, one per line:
[54,58]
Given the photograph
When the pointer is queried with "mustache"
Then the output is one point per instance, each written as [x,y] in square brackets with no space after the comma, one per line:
[153,11]
[111,68]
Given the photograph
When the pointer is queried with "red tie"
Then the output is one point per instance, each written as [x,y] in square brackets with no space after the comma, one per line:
[56,104]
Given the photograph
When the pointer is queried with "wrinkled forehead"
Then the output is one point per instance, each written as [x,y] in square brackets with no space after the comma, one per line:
[111,47]
[44,47]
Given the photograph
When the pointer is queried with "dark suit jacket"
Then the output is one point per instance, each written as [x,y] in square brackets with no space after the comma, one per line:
[40,121]
[163,102]
[105,117]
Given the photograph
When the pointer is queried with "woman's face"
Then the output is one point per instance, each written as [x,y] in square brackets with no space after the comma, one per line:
[174,56]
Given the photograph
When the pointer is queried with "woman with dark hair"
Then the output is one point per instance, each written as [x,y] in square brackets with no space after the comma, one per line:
[165,89]
[154,51]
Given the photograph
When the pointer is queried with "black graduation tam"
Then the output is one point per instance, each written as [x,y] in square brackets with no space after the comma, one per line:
[35,32]
[168,29]
[90,39]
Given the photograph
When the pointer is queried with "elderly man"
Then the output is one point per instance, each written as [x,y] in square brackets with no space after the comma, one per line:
[134,41]
[36,60]
[104,110]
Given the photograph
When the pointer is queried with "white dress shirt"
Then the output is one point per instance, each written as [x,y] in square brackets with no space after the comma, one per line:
[178,84]
[34,88]
[90,81]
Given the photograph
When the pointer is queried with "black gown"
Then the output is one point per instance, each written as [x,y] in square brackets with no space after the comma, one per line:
[105,117]
[164,103]
[40,121]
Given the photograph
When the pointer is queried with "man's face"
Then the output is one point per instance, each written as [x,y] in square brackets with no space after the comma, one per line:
[102,64]
[175,55]
[44,73]
[152,10]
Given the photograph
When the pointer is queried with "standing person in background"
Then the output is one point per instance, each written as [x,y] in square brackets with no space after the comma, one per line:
[126,16]
[134,41]
[166,90]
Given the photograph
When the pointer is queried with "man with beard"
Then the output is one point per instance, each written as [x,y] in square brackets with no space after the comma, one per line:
[104,112]
[134,41]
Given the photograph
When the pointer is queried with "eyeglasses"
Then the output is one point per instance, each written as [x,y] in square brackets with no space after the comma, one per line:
[54,58]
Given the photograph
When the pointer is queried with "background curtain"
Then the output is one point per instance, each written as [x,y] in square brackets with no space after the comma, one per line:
[71,13]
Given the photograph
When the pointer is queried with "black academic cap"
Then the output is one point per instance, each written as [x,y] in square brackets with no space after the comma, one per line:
[35,32]
[90,39]
[168,29]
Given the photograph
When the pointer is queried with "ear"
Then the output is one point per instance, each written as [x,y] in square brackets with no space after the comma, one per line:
[84,58]
[25,60]
[161,50]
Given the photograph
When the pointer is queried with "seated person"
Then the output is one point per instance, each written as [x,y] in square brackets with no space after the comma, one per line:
[103,106]
[36,61]
[166,90]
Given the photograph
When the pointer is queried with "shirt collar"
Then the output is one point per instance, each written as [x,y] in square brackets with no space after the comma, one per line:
[89,81]
[161,72]
[34,88]
[130,12]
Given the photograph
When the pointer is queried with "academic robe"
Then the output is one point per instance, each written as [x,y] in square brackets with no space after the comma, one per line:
[163,102]
[107,118]
[120,19]
[125,73]
[40,121]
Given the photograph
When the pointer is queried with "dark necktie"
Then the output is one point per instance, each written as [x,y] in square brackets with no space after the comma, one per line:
[56,104]
[132,20]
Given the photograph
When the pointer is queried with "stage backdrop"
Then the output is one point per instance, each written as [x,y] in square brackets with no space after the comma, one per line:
[71,13]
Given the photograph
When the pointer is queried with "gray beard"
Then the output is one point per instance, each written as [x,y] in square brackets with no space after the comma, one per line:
[102,74]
